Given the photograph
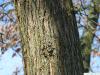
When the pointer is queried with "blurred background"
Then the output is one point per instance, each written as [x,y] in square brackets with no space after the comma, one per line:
[88,21]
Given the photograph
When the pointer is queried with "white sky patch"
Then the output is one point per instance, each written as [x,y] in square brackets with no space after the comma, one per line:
[11,62]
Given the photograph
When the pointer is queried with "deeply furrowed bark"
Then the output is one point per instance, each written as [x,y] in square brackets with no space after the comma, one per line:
[49,37]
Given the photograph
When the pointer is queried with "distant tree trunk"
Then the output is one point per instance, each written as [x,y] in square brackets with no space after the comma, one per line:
[87,40]
[50,38]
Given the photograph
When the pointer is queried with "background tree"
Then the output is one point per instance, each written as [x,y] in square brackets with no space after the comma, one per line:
[90,28]
[50,37]
[88,15]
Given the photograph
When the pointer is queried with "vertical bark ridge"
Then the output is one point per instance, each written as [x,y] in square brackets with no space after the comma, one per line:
[49,38]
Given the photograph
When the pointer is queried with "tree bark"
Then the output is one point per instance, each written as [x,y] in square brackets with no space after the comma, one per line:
[50,39]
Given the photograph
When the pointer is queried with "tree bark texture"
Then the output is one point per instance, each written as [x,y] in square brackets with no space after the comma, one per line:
[49,37]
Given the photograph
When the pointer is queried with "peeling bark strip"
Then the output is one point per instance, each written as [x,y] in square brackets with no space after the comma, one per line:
[50,38]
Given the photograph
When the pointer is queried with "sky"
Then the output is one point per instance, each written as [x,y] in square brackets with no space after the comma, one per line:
[11,62]
[95,45]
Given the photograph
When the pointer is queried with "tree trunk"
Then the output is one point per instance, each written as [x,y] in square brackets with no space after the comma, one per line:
[50,38]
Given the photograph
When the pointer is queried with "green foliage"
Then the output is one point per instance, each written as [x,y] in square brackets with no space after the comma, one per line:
[97,5]
[86,40]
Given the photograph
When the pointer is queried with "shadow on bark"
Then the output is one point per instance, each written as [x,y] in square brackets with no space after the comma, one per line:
[70,59]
